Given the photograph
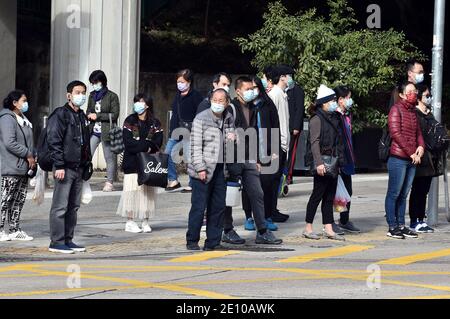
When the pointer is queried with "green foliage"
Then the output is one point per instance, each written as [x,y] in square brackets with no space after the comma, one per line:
[332,51]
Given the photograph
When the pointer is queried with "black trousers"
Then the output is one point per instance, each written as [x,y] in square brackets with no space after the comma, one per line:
[324,191]
[347,179]
[418,198]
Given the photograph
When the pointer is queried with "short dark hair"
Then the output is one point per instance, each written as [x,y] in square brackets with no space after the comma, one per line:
[342,91]
[13,96]
[216,78]
[280,70]
[241,80]
[268,72]
[146,97]
[411,63]
[402,86]
[186,74]
[421,88]
[74,84]
[98,76]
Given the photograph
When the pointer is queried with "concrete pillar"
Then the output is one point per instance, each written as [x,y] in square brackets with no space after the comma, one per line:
[95,34]
[8,33]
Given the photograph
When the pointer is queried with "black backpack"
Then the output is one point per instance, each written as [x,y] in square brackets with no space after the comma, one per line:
[44,157]
[384,146]
[436,137]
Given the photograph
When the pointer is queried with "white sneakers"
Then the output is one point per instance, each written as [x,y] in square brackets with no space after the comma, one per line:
[132,227]
[146,227]
[17,236]
[108,188]
[4,237]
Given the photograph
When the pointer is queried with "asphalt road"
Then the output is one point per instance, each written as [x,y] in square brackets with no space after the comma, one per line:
[156,265]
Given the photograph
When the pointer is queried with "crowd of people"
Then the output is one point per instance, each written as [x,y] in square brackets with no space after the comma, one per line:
[217,151]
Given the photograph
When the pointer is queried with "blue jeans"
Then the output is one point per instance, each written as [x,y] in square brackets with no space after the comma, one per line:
[401,176]
[212,198]
[173,149]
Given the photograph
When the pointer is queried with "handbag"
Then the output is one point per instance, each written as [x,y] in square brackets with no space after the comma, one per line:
[153,169]
[182,123]
[331,162]
[116,138]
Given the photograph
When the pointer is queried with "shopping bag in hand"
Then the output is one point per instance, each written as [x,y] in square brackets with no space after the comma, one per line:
[86,193]
[342,197]
[39,188]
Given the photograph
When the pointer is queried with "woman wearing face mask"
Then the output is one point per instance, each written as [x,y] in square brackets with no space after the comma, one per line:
[326,140]
[184,109]
[430,166]
[103,110]
[345,103]
[17,163]
[407,150]
[141,133]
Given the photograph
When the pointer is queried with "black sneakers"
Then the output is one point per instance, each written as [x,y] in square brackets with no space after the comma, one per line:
[232,238]
[408,233]
[395,233]
[268,238]
[402,233]
[192,246]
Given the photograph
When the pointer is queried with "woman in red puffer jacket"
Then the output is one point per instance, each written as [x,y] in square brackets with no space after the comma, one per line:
[407,150]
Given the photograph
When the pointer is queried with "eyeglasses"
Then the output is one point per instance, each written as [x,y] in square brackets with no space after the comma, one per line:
[410,92]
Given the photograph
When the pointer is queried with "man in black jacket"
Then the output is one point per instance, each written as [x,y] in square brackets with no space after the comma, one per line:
[246,119]
[221,80]
[68,139]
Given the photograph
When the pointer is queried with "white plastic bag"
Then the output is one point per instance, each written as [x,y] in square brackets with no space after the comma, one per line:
[39,188]
[86,193]
[342,197]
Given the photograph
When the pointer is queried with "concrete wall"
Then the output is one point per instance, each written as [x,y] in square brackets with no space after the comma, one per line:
[8,32]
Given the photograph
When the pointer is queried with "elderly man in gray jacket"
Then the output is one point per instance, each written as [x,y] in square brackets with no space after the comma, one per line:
[211,130]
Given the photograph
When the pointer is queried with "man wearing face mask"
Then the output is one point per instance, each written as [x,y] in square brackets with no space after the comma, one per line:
[282,81]
[68,143]
[415,74]
[221,80]
[207,171]
[246,119]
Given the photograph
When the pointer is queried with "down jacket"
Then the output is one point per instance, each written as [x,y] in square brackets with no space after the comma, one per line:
[405,131]
[207,142]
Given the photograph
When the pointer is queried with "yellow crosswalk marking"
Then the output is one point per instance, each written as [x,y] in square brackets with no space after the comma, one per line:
[406,260]
[203,256]
[335,252]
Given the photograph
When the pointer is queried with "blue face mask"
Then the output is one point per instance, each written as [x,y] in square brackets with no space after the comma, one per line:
[420,78]
[349,104]
[291,82]
[25,107]
[79,100]
[333,107]
[265,84]
[217,108]
[97,87]
[248,96]
[139,108]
